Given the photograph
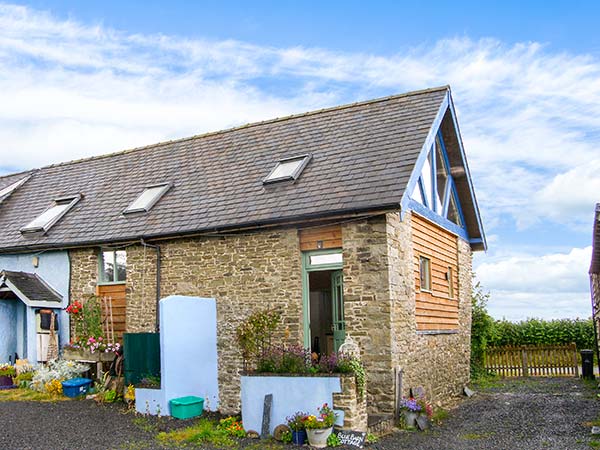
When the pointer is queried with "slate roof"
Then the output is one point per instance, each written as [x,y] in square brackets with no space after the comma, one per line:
[31,285]
[363,156]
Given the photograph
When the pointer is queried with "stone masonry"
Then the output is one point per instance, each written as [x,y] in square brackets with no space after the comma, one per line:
[261,270]
[245,273]
[437,362]
[352,403]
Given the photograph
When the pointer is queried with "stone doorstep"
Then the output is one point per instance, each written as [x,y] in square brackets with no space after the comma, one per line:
[380,425]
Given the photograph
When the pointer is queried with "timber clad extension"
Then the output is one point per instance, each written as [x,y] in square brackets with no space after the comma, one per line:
[338,243]
[436,309]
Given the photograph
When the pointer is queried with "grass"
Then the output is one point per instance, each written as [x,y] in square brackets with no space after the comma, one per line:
[28,395]
[145,424]
[476,436]
[204,431]
[440,415]
[594,444]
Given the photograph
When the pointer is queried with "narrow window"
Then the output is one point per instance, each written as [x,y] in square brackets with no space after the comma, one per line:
[450,277]
[113,266]
[44,221]
[425,273]
[148,198]
[288,169]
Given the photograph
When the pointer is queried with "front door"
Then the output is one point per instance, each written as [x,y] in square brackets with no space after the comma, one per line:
[337,298]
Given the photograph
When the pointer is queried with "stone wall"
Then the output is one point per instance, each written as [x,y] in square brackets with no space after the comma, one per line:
[141,289]
[367,305]
[352,403]
[437,362]
[245,273]
[84,273]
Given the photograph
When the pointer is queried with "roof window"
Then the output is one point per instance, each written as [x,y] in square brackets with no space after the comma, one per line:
[12,187]
[147,199]
[288,169]
[44,221]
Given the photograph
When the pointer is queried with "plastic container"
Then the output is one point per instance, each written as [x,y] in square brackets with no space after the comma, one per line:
[76,387]
[187,407]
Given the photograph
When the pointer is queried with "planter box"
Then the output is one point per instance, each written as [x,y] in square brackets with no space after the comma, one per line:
[290,394]
[87,356]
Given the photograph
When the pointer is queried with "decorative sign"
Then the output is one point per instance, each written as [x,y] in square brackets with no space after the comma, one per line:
[352,438]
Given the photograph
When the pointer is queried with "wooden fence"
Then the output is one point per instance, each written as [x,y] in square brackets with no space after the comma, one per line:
[533,360]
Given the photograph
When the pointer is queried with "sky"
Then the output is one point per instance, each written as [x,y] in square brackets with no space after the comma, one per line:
[85,78]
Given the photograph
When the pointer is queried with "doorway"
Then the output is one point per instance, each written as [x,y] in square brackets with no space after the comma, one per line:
[324,325]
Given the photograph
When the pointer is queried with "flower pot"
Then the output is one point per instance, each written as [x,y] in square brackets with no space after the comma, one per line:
[318,436]
[410,418]
[6,381]
[86,355]
[299,437]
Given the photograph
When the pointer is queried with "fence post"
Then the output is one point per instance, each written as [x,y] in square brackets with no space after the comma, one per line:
[524,359]
[575,360]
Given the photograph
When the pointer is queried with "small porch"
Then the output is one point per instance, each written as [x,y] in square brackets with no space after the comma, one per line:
[30,311]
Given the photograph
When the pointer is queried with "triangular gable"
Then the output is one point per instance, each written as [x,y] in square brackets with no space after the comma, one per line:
[440,186]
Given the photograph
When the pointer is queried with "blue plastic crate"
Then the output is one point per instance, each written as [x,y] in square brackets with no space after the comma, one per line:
[76,387]
[187,407]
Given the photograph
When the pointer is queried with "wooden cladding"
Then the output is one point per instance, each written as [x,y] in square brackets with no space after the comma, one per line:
[317,238]
[116,294]
[436,307]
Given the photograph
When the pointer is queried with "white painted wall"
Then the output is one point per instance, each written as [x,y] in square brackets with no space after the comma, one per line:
[290,395]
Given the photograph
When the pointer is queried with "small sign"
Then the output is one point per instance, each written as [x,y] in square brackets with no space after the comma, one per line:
[423,423]
[352,438]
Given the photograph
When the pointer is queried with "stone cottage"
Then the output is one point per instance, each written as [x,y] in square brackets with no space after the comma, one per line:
[359,219]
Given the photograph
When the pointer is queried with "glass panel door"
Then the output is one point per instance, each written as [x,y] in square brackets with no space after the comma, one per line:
[337,297]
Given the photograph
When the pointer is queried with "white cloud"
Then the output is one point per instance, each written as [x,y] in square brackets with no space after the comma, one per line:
[529,116]
[552,285]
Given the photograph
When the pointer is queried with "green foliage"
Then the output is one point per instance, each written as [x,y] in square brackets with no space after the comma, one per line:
[371,438]
[205,431]
[286,437]
[333,440]
[255,333]
[486,332]
[482,329]
[549,332]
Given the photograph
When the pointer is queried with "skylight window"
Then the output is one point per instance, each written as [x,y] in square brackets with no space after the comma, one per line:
[288,169]
[12,187]
[44,221]
[147,199]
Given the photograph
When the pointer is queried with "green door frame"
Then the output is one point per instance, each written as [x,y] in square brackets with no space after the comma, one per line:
[307,267]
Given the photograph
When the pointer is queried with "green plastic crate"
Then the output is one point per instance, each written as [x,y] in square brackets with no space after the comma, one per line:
[187,407]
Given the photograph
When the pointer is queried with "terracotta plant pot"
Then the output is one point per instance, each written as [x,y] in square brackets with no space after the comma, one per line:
[318,437]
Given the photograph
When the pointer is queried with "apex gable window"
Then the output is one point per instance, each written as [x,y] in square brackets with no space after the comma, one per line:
[288,169]
[148,198]
[113,266]
[44,221]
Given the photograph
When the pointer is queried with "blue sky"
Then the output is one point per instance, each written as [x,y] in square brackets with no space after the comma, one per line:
[84,78]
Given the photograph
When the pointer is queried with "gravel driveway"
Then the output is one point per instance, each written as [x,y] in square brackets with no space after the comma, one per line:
[518,414]
[541,413]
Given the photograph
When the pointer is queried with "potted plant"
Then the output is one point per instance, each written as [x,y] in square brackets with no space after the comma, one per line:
[88,344]
[297,425]
[320,426]
[7,372]
[411,408]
